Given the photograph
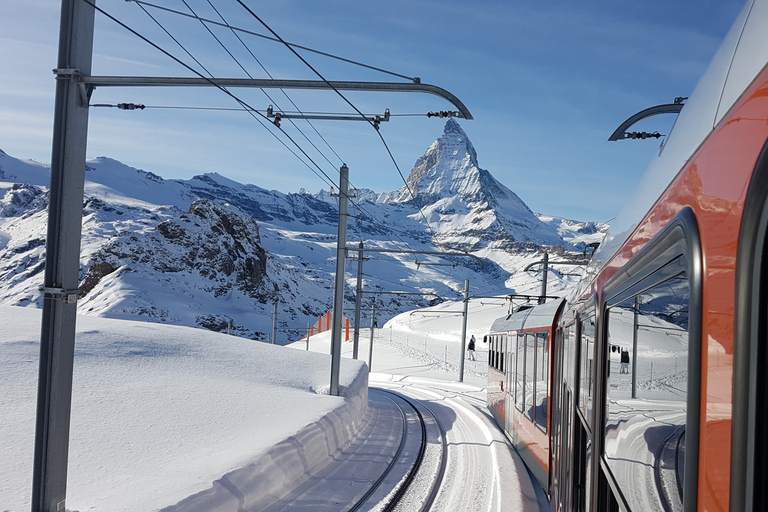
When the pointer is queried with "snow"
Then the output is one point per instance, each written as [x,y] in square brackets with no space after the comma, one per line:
[158,412]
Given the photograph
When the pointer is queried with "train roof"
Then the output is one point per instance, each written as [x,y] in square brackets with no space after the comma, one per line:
[741,57]
[543,315]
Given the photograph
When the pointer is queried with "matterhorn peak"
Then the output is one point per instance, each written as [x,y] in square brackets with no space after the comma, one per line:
[448,168]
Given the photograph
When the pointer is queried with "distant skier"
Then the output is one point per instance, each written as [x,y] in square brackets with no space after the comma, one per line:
[376,322]
[624,362]
[471,348]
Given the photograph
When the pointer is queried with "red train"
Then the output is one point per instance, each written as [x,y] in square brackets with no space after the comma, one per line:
[647,390]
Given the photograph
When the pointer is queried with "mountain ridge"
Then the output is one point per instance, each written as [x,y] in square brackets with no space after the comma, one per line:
[128,213]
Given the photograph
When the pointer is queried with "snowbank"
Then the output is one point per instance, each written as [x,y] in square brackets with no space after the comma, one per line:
[162,412]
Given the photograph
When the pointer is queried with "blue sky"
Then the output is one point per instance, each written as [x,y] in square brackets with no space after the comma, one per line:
[547,83]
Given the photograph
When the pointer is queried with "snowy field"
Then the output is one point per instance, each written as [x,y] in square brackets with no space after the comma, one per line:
[159,412]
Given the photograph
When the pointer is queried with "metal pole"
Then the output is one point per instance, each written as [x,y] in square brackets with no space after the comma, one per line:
[464,331]
[274,325]
[544,269]
[370,346]
[338,292]
[65,216]
[358,297]
[635,321]
[308,331]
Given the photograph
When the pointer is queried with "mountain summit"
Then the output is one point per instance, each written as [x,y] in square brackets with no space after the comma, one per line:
[465,200]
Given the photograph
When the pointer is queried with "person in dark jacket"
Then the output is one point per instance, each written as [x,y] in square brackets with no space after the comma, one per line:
[624,362]
[471,348]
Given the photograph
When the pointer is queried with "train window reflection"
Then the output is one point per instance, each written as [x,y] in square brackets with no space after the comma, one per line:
[646,394]
[542,385]
[587,366]
[530,375]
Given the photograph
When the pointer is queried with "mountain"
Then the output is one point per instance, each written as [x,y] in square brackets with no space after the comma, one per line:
[214,253]
[464,204]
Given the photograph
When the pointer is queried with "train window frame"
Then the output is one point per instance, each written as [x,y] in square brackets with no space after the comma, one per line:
[529,383]
[654,264]
[520,372]
[749,420]
[542,370]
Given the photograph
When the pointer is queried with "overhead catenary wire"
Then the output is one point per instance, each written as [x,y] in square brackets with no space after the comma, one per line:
[330,180]
[325,54]
[378,132]
[223,89]
[270,76]
[250,110]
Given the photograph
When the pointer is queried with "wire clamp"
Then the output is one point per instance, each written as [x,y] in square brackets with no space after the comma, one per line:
[68,296]
[130,106]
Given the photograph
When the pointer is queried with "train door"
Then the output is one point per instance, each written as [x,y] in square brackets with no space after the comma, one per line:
[582,435]
[562,487]
[749,428]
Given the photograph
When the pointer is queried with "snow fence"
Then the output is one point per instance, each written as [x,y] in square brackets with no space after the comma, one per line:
[291,462]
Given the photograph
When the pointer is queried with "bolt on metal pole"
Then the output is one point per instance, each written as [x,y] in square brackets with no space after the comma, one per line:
[464,331]
[370,346]
[274,325]
[338,292]
[358,298]
[62,266]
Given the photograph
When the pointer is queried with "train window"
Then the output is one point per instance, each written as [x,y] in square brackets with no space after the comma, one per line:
[519,397]
[542,383]
[587,364]
[503,351]
[645,423]
[530,375]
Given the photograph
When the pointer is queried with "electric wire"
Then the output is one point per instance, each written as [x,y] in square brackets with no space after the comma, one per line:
[370,218]
[246,107]
[378,132]
[325,54]
[270,76]
[223,89]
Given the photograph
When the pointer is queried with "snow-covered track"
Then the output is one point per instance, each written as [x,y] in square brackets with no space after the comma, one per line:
[418,488]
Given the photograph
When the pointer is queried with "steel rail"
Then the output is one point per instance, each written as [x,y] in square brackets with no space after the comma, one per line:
[395,459]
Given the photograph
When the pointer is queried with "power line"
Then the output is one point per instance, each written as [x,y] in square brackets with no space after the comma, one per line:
[386,146]
[270,76]
[223,89]
[325,54]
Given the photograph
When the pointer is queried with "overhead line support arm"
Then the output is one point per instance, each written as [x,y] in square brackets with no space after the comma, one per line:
[150,81]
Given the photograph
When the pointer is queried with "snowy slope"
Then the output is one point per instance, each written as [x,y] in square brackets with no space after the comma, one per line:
[165,250]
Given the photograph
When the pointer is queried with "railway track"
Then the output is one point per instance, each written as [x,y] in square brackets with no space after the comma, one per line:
[397,463]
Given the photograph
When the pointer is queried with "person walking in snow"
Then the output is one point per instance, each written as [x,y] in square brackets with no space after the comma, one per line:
[376,322]
[471,348]
[624,362]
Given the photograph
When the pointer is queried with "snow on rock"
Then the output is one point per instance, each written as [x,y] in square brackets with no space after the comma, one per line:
[161,412]
[478,207]
[148,254]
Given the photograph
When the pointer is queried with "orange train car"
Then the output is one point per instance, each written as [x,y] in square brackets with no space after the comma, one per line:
[653,379]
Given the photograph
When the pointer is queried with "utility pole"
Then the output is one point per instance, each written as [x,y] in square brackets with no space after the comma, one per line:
[274,325]
[65,215]
[464,331]
[338,292]
[544,270]
[370,347]
[358,298]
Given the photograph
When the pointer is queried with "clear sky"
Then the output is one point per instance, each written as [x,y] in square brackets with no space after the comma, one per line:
[547,83]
